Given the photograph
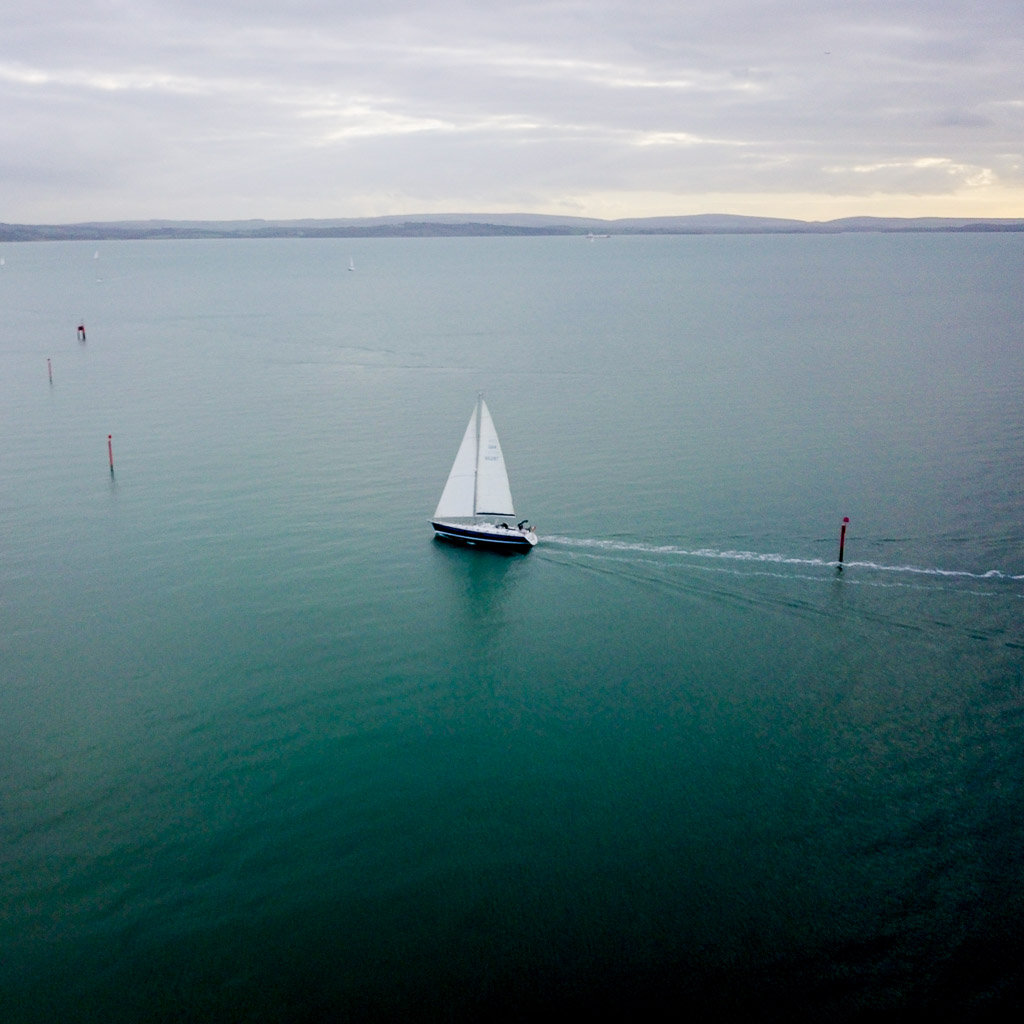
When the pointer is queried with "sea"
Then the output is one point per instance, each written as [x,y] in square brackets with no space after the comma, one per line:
[270,752]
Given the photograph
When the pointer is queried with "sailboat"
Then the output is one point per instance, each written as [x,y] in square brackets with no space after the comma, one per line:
[476,499]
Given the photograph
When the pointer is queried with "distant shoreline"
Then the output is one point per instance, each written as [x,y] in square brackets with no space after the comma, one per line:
[488,225]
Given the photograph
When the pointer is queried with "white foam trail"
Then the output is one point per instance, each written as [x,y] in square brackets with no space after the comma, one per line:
[771,557]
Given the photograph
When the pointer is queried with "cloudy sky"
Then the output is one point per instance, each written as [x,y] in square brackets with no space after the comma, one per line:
[223,109]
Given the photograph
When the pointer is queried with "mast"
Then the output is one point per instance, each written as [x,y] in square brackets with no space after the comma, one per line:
[476,460]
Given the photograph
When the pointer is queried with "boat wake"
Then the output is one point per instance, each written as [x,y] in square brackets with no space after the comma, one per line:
[698,556]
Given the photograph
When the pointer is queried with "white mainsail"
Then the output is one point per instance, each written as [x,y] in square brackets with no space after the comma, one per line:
[478,482]
[493,496]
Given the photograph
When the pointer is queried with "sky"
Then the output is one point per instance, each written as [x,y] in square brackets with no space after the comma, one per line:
[237,109]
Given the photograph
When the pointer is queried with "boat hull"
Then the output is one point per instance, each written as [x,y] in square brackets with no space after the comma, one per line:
[485,535]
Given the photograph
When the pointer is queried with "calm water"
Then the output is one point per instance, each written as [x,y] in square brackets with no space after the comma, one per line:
[269,752]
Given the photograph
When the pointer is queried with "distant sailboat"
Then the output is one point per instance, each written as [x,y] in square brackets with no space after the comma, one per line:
[351,263]
[477,493]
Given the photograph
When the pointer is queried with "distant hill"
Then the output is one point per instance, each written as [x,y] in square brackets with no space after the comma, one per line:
[479,224]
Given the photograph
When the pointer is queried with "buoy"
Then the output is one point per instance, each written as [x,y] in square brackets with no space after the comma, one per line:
[842,541]
[110,452]
[81,332]
[49,369]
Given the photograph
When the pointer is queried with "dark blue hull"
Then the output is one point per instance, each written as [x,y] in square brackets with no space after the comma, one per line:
[504,540]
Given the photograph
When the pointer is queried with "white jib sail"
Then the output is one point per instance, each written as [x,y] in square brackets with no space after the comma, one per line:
[457,496]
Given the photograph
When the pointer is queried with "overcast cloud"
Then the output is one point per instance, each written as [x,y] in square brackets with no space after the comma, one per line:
[222,109]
